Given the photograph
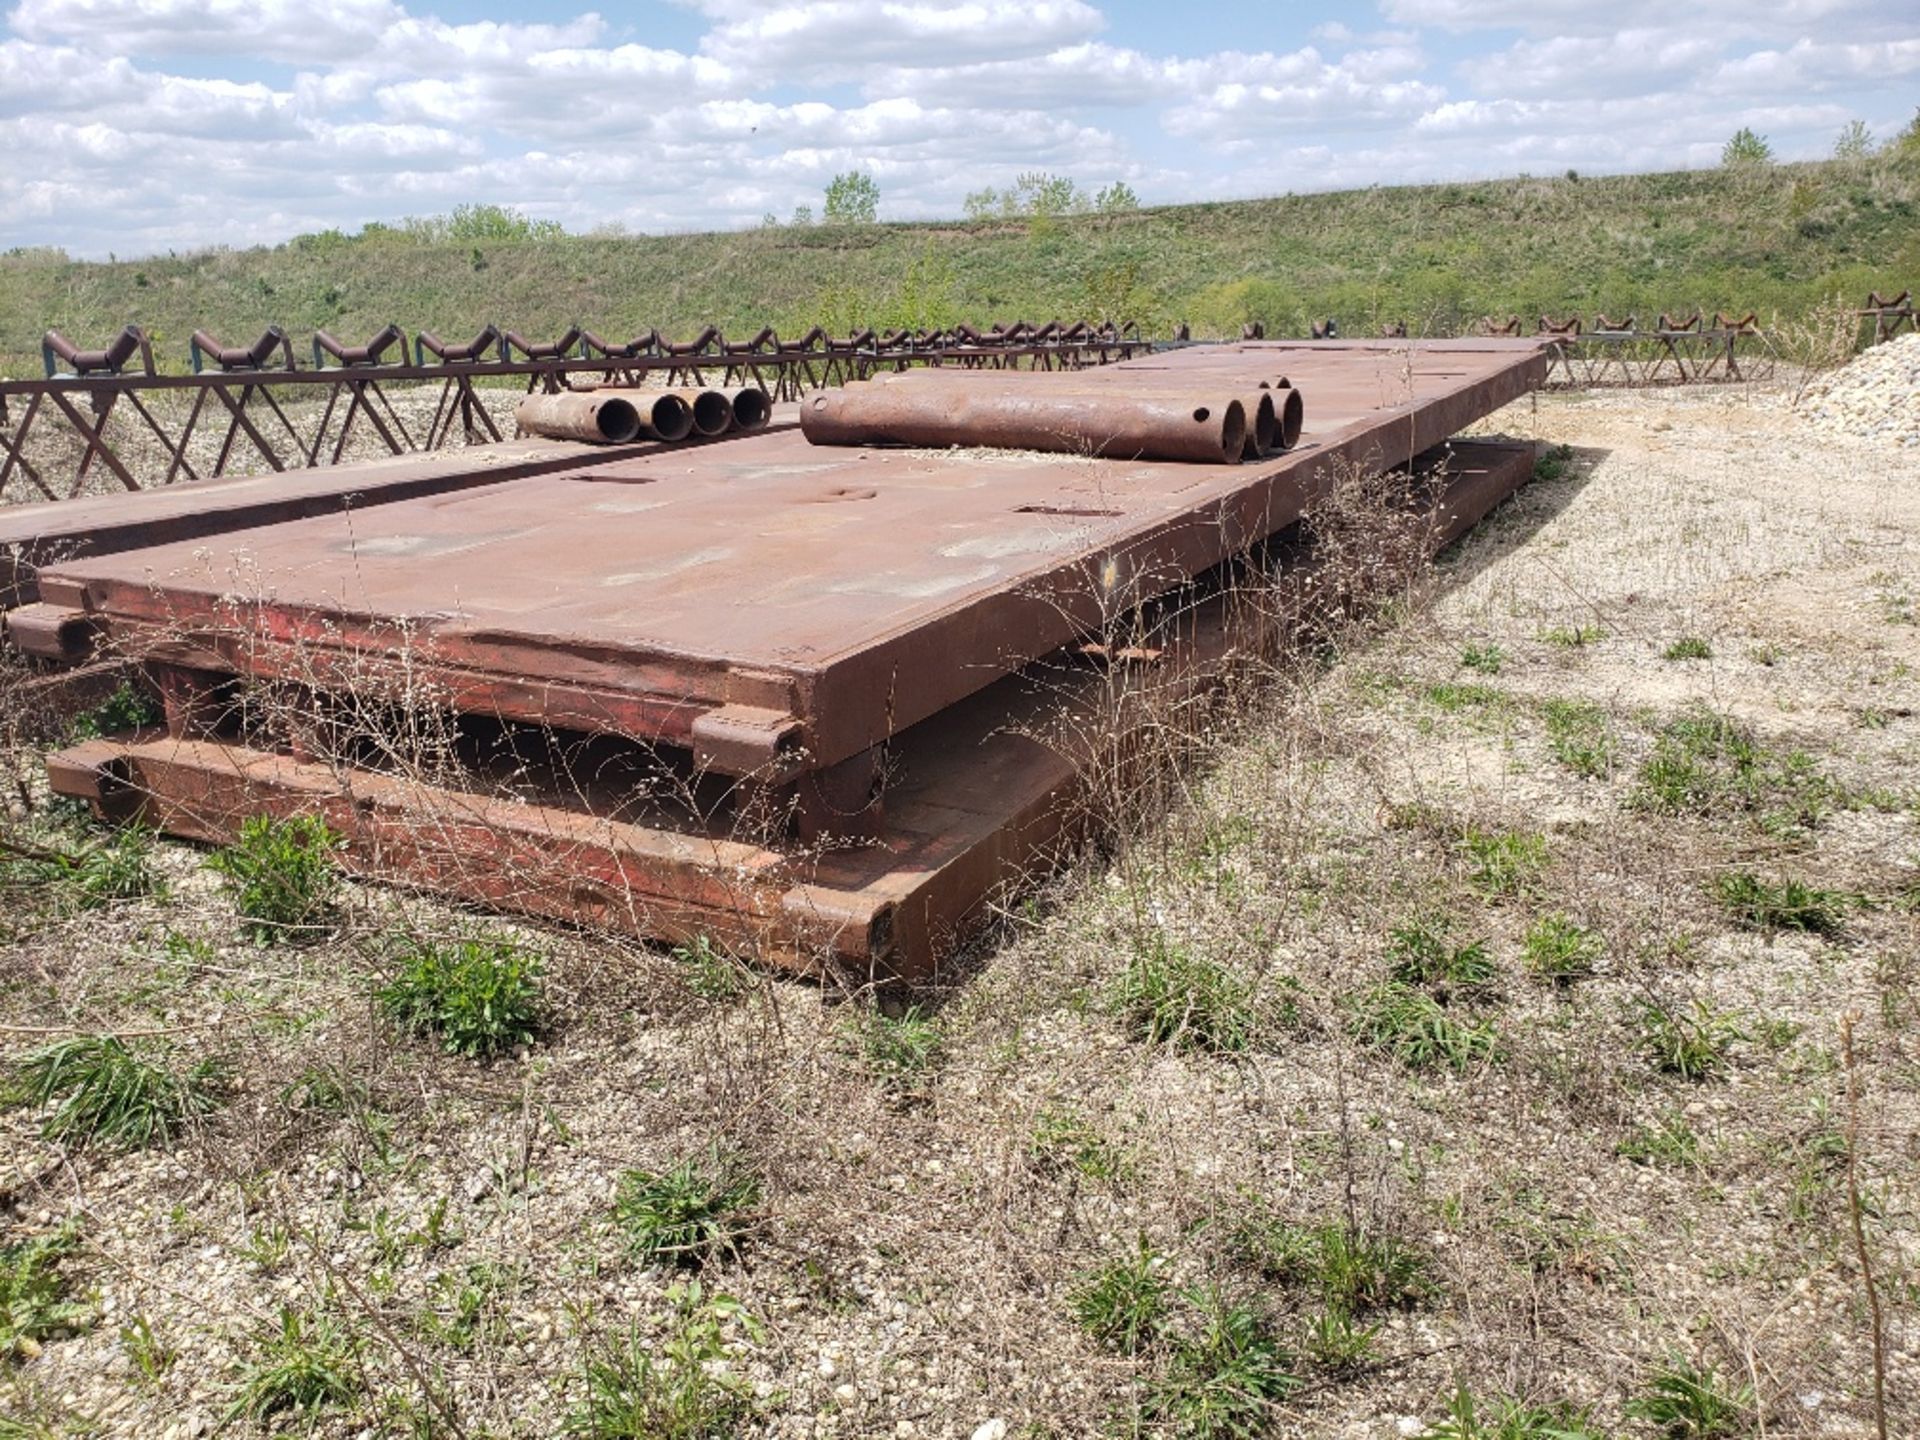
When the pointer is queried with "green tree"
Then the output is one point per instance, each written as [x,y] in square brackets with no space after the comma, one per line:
[1745,148]
[1117,196]
[852,199]
[1855,141]
[803,214]
[1906,145]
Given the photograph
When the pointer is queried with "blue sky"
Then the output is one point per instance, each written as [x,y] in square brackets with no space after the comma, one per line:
[133,126]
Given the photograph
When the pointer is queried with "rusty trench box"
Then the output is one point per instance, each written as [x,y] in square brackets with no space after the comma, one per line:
[866,686]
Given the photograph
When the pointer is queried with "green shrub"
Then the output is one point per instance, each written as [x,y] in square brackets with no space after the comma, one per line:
[1120,1304]
[35,1299]
[1787,904]
[1706,764]
[1558,950]
[109,1093]
[127,708]
[696,1210]
[281,875]
[480,994]
[1167,996]
[1418,1030]
[1553,463]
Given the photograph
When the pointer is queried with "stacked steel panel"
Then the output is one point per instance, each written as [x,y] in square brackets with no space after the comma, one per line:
[786,695]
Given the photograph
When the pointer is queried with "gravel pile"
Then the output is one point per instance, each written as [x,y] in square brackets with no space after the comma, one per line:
[1877,397]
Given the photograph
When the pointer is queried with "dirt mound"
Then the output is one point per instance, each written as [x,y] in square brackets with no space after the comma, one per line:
[1877,397]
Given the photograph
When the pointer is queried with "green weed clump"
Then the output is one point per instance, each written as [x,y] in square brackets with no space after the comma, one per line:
[1169,996]
[1486,659]
[305,1363]
[479,994]
[1222,1377]
[1580,737]
[1553,463]
[1422,950]
[1708,765]
[1353,1270]
[1692,1043]
[683,1387]
[282,876]
[1788,904]
[1504,862]
[1684,1401]
[36,1299]
[98,873]
[1063,1139]
[899,1051]
[127,708]
[111,1094]
[1560,951]
[1121,1303]
[1688,647]
[1510,1418]
[1418,1031]
[694,1211]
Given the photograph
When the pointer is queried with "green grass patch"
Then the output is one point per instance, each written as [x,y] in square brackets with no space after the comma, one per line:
[1553,463]
[680,1386]
[1757,904]
[282,876]
[111,1094]
[479,994]
[1688,647]
[306,1362]
[1221,1376]
[899,1051]
[1422,950]
[1454,696]
[694,1211]
[37,1302]
[1510,1418]
[1352,1270]
[99,872]
[1063,1140]
[1504,863]
[1418,1031]
[1121,1303]
[1667,1140]
[1573,637]
[1558,950]
[1708,765]
[1580,737]
[1692,1041]
[1169,996]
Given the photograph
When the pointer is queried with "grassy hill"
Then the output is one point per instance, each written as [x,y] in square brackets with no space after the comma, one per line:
[1777,239]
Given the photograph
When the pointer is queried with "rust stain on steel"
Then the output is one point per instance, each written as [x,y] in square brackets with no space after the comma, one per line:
[855,591]
[981,802]
[1009,414]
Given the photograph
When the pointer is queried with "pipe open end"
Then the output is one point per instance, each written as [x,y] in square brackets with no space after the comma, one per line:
[1233,430]
[752,410]
[617,420]
[1262,429]
[1292,414]
[671,418]
[712,412]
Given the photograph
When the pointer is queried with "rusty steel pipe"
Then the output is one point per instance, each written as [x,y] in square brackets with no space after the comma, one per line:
[1290,413]
[1274,411]
[752,410]
[1143,427]
[595,416]
[712,410]
[664,414]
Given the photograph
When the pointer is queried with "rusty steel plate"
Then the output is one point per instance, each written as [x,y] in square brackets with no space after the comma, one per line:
[985,798]
[766,600]
[35,535]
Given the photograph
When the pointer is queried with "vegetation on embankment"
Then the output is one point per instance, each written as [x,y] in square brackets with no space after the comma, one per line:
[1777,239]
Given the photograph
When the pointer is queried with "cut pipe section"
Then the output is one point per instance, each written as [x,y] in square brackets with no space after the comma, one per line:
[596,416]
[1016,417]
[752,410]
[712,410]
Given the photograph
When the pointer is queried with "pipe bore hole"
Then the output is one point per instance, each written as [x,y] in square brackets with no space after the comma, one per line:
[1201,414]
